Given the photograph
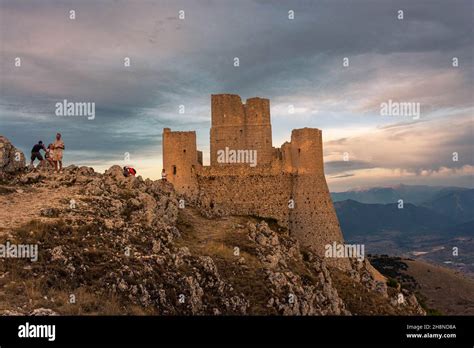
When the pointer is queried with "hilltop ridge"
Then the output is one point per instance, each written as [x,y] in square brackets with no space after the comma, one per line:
[123,245]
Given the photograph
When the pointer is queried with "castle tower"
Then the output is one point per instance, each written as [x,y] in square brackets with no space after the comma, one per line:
[258,128]
[240,126]
[307,151]
[180,159]
[313,221]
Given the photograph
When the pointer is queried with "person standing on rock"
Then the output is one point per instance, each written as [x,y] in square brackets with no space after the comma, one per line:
[36,154]
[58,148]
[49,155]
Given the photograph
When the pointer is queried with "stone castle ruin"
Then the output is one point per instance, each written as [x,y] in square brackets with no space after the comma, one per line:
[286,184]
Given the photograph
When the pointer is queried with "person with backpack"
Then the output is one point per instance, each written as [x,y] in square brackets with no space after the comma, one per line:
[129,171]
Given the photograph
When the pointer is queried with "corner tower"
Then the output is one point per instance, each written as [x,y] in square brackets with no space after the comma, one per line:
[180,159]
[313,221]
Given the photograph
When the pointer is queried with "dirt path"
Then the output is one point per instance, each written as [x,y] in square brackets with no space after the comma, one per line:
[212,236]
[18,206]
[204,230]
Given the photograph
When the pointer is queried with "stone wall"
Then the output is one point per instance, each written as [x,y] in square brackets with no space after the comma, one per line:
[311,218]
[314,221]
[247,191]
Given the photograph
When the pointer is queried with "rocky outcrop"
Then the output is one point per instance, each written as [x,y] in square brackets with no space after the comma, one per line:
[11,159]
[291,293]
[34,312]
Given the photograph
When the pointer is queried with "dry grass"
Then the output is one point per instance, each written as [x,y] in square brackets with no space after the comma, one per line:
[27,285]
[31,294]
[360,300]
[442,290]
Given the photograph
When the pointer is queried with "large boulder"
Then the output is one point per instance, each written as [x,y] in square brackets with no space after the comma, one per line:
[11,159]
[115,172]
[45,166]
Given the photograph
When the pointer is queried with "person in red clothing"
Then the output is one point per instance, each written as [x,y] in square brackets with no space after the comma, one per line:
[129,171]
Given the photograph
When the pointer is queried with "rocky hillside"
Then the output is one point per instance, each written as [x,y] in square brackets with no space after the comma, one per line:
[114,245]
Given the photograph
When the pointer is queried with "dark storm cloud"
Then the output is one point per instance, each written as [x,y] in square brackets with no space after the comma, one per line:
[342,176]
[334,167]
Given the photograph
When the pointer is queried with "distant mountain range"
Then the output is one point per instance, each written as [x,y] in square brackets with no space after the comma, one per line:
[358,218]
[432,219]
[458,205]
[415,194]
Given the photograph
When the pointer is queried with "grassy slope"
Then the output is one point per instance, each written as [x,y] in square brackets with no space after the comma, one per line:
[446,290]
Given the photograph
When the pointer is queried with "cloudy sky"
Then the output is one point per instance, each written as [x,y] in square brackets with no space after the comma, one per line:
[296,63]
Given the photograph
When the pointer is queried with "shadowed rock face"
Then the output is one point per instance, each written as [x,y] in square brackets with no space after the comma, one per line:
[11,159]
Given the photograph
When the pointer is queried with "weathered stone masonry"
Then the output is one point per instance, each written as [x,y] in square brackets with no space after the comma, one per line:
[293,172]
